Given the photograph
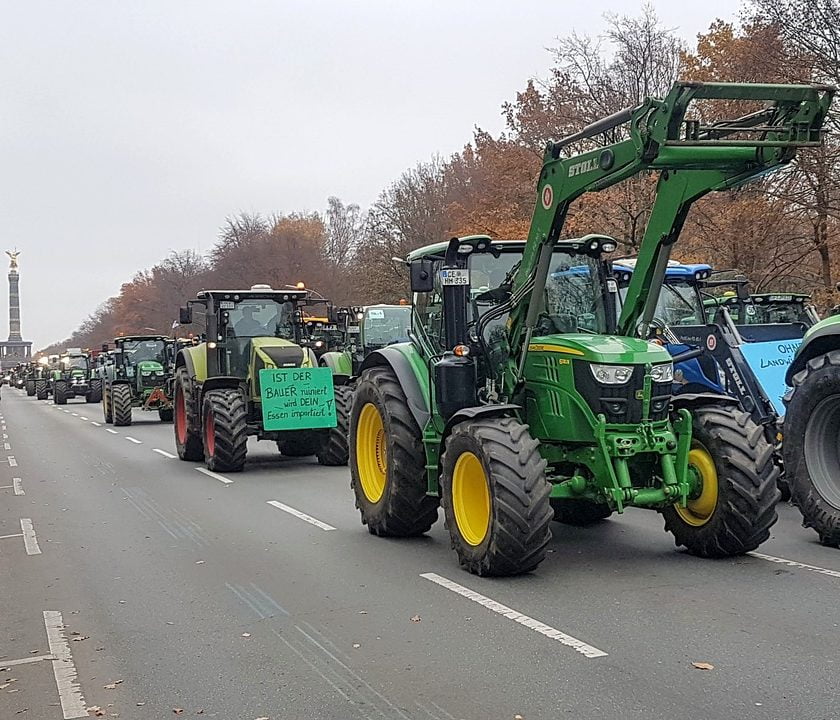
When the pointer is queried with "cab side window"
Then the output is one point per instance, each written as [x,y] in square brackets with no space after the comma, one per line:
[428,313]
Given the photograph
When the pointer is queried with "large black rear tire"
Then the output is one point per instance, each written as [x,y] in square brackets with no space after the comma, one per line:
[495,497]
[811,445]
[334,449]
[188,438]
[107,410]
[30,387]
[579,513]
[225,419]
[60,392]
[42,390]
[737,506]
[121,405]
[387,460]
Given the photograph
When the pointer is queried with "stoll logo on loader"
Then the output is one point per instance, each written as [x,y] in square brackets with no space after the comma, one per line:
[583,167]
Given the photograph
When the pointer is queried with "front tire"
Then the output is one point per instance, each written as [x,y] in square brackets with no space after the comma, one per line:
[60,392]
[42,391]
[30,388]
[121,405]
[224,417]
[165,414]
[736,506]
[495,497]
[188,439]
[107,410]
[334,449]
[94,394]
[387,460]
[811,446]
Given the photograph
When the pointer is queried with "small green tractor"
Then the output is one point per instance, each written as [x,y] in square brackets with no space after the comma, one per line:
[221,387]
[134,375]
[30,373]
[520,398]
[74,377]
[364,330]
[811,431]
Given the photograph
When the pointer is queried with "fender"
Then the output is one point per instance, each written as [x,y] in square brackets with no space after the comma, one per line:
[480,411]
[339,364]
[397,358]
[221,382]
[819,340]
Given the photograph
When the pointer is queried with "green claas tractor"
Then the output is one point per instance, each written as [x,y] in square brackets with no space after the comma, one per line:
[811,444]
[252,377]
[366,329]
[134,375]
[520,398]
[74,377]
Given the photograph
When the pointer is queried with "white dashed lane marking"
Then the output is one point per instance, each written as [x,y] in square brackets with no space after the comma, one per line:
[215,476]
[134,440]
[302,515]
[795,564]
[73,703]
[511,614]
[93,422]
[30,541]
[164,453]
[113,432]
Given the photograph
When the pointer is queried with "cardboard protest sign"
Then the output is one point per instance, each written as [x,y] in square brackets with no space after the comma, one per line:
[769,361]
[297,398]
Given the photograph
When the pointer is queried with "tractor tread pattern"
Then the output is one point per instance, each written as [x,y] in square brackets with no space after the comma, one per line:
[405,510]
[121,405]
[230,419]
[94,394]
[60,392]
[521,524]
[192,450]
[41,389]
[816,513]
[748,487]
[334,450]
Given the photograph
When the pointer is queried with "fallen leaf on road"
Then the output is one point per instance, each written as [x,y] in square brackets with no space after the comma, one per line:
[199,562]
[703,666]
[112,685]
[246,634]
[81,637]
[518,717]
[4,686]
[11,691]
[356,645]
[141,704]
[95,711]
[362,612]
[415,618]
[177,711]
[264,717]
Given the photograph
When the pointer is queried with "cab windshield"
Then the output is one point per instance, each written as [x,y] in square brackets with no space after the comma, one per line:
[678,304]
[136,351]
[260,317]
[386,325]
[75,362]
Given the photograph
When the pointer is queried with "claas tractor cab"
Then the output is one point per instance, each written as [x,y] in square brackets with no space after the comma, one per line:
[529,401]
[134,376]
[365,330]
[73,377]
[253,377]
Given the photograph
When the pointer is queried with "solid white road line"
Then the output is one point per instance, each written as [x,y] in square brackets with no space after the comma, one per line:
[134,440]
[794,563]
[73,703]
[30,542]
[26,661]
[529,622]
[93,422]
[17,487]
[215,476]
[164,453]
[12,461]
[113,432]
[298,514]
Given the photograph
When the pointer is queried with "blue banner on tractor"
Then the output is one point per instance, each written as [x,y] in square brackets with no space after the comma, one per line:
[769,361]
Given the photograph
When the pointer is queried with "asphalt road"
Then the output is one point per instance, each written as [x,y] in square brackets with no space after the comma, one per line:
[134,583]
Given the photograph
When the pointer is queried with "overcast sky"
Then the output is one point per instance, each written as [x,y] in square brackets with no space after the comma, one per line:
[128,129]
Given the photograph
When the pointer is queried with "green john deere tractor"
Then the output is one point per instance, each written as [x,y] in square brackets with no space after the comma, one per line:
[520,399]
[134,375]
[811,443]
[223,386]
[74,377]
[366,329]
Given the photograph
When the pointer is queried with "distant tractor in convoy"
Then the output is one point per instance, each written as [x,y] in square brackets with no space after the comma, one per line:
[366,329]
[134,376]
[43,385]
[74,377]
[222,384]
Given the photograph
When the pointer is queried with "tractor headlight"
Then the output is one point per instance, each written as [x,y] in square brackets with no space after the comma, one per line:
[146,373]
[662,373]
[612,374]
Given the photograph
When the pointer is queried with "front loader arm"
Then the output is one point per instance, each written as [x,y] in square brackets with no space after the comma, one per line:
[692,159]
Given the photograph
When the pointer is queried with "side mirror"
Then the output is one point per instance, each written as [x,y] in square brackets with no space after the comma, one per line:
[743,292]
[185,315]
[422,275]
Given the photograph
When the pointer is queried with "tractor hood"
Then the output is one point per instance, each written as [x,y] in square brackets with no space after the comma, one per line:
[606,349]
[279,353]
[149,366]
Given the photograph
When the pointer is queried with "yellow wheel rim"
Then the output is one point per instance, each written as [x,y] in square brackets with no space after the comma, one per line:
[699,510]
[371,456]
[471,498]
